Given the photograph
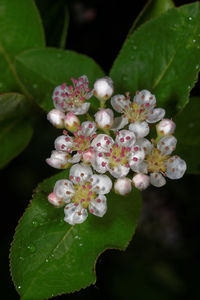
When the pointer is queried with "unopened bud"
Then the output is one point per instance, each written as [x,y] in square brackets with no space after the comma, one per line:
[141,181]
[53,199]
[71,122]
[88,156]
[104,118]
[58,159]
[123,186]
[103,88]
[56,117]
[165,127]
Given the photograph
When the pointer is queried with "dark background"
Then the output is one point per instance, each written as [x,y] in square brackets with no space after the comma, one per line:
[162,261]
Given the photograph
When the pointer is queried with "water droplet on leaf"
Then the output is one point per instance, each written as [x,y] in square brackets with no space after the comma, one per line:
[197,67]
[19,286]
[31,248]
[80,245]
[21,258]
[190,18]
[35,86]
[35,223]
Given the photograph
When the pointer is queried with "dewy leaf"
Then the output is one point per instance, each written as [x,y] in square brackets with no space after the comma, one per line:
[187,133]
[13,105]
[163,57]
[14,137]
[41,70]
[20,29]
[50,257]
[152,9]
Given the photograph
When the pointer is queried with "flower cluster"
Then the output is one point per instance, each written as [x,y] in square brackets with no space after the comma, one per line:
[115,145]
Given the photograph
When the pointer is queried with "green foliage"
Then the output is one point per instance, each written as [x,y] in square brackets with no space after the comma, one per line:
[163,57]
[41,70]
[152,9]
[15,135]
[50,257]
[13,105]
[20,29]
[187,133]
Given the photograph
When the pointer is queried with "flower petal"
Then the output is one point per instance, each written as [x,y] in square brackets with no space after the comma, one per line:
[75,158]
[88,128]
[102,143]
[80,173]
[145,98]
[101,184]
[119,102]
[145,144]
[155,115]
[123,186]
[167,144]
[119,123]
[63,143]
[100,163]
[80,110]
[64,190]
[98,206]
[75,214]
[140,129]
[176,167]
[157,179]
[125,138]
[137,155]
[119,171]
[140,168]
[58,159]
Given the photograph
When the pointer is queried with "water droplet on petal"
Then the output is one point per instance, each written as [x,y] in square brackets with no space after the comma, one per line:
[31,248]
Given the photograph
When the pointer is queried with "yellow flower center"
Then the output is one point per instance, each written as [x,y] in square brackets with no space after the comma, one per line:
[156,161]
[135,112]
[83,194]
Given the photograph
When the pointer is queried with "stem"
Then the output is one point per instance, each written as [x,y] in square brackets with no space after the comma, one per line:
[89,117]
[102,104]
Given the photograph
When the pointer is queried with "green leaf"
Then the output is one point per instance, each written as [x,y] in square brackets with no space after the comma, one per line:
[163,57]
[50,257]
[20,29]
[152,9]
[13,105]
[14,137]
[187,133]
[41,70]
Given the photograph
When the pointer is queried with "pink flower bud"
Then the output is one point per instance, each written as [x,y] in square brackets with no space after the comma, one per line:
[103,88]
[71,122]
[88,156]
[141,181]
[53,199]
[56,117]
[104,118]
[123,186]
[165,127]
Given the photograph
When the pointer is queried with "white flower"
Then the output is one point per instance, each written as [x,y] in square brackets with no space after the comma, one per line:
[72,98]
[103,88]
[72,149]
[104,118]
[165,127]
[123,186]
[158,161]
[56,117]
[83,191]
[119,156]
[139,112]
[141,181]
